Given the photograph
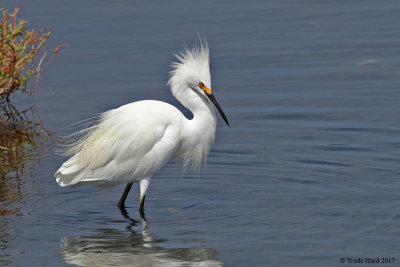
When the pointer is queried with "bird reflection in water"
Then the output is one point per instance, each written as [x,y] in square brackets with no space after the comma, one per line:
[130,247]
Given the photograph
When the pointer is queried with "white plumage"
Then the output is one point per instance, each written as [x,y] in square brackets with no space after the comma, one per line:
[131,143]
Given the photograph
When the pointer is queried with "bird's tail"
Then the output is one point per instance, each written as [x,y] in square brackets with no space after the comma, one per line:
[70,173]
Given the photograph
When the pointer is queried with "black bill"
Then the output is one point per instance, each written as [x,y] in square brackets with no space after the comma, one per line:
[214,101]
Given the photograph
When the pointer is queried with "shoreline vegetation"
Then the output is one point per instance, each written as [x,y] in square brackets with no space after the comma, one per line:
[23,138]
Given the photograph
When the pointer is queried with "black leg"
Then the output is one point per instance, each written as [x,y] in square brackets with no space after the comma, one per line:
[141,204]
[121,202]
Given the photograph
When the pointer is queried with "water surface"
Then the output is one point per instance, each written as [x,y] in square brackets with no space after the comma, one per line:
[307,173]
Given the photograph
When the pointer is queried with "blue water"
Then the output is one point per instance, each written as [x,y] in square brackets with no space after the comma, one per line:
[308,172]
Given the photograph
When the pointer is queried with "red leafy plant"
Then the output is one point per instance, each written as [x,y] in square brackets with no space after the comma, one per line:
[22,55]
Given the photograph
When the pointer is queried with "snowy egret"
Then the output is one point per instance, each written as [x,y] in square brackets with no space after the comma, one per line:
[131,143]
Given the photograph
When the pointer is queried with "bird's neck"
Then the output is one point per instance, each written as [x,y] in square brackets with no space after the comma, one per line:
[200,131]
[201,108]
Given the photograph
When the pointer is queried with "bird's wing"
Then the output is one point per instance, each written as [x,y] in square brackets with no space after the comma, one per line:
[126,144]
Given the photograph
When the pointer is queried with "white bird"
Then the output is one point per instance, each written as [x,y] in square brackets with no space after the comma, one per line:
[131,143]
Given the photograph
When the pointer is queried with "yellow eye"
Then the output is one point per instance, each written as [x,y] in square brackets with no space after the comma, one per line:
[201,85]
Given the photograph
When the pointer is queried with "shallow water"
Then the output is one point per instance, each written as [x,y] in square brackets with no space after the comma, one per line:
[307,173]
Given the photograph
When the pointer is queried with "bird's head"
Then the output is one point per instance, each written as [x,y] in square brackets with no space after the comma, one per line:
[192,72]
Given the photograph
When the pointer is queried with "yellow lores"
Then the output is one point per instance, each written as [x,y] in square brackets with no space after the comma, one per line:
[204,88]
